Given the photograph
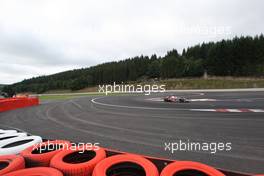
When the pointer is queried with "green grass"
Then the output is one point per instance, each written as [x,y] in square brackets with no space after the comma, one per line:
[171,84]
[56,97]
[213,83]
[66,96]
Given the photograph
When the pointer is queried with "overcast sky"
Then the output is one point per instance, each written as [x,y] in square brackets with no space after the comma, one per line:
[40,37]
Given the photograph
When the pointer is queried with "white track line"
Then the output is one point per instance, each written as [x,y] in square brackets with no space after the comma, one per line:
[229,110]
[202,110]
[204,99]
[133,107]
[205,110]
[233,110]
[160,99]
[257,110]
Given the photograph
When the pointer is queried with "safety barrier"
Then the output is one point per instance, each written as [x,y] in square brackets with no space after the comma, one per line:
[55,158]
[15,103]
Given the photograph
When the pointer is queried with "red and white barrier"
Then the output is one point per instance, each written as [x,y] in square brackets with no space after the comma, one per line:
[15,103]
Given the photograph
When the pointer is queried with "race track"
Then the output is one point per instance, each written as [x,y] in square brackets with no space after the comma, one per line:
[142,124]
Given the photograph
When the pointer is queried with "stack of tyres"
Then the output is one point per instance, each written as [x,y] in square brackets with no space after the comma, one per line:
[4,137]
[13,142]
[179,168]
[7,131]
[37,159]
[60,160]
[10,163]
[40,154]
[125,164]
[37,171]
[78,162]
[22,154]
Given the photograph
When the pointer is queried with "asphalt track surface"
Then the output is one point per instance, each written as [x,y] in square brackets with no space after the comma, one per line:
[137,124]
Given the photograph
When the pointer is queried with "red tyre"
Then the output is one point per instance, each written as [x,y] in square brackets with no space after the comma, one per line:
[41,153]
[9,163]
[77,162]
[37,171]
[189,168]
[125,164]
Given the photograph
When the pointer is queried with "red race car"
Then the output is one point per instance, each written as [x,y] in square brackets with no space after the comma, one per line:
[172,98]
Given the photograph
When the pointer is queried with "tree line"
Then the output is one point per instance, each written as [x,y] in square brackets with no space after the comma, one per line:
[240,56]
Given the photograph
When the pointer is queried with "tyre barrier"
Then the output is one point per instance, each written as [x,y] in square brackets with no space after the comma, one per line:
[37,171]
[14,103]
[7,131]
[6,136]
[41,154]
[17,144]
[10,140]
[189,168]
[79,162]
[11,163]
[37,160]
[125,164]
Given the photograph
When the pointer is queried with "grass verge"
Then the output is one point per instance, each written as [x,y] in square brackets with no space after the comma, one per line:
[213,83]
[171,84]
[65,96]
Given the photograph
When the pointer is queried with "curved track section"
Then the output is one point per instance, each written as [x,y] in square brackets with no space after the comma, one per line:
[138,124]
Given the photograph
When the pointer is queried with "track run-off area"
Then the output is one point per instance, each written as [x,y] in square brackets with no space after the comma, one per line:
[144,124]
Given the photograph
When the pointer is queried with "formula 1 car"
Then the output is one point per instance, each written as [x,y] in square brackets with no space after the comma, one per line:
[172,98]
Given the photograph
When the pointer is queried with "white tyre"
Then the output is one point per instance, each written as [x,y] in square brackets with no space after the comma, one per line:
[7,131]
[17,144]
[5,137]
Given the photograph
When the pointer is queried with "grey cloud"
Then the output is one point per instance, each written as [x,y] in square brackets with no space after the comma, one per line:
[28,49]
[54,35]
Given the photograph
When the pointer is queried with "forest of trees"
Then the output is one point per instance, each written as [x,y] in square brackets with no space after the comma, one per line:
[243,56]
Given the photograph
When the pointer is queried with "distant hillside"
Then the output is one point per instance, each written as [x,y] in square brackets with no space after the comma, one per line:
[242,56]
[1,86]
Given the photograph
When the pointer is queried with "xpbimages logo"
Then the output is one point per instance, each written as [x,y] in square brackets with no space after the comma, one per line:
[127,88]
